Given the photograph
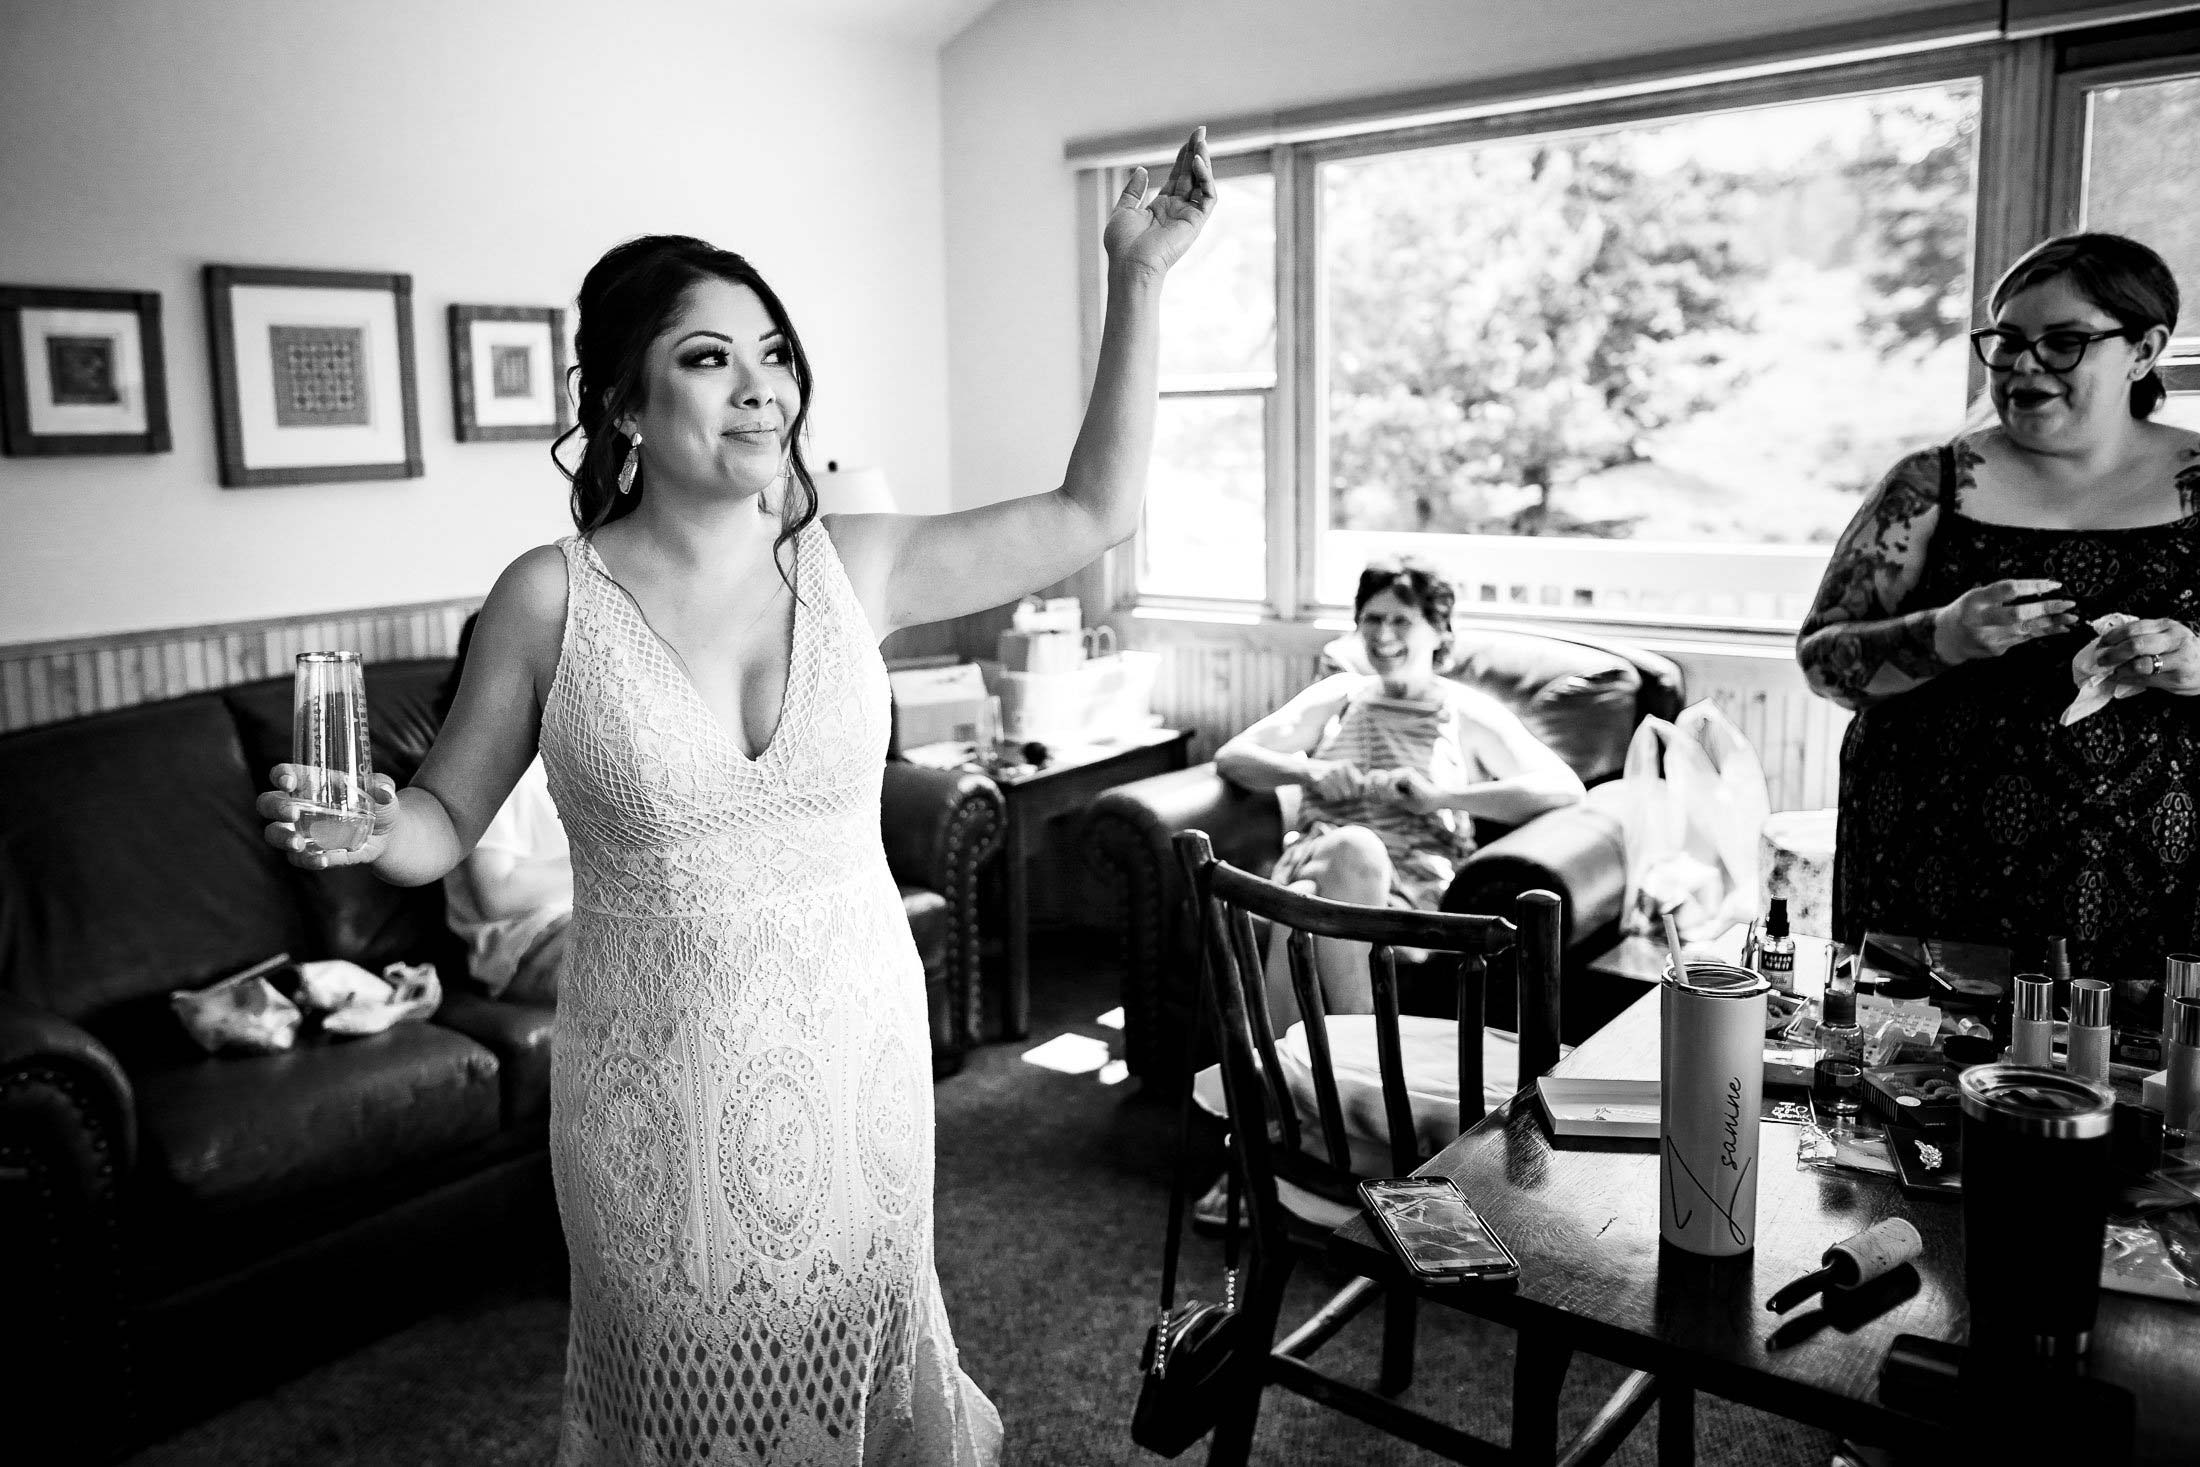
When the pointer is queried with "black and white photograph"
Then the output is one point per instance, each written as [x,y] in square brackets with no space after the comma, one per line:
[951,733]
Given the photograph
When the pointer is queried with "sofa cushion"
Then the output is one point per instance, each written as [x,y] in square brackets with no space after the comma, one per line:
[928,924]
[358,916]
[132,862]
[1578,698]
[239,1131]
[518,1034]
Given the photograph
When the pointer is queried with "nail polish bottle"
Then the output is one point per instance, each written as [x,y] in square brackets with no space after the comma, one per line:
[1776,949]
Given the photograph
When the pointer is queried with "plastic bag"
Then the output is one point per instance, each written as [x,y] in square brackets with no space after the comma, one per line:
[1692,805]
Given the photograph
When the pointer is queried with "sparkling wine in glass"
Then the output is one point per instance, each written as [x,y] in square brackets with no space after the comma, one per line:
[329,745]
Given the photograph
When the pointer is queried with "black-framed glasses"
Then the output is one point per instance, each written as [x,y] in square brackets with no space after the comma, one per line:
[2056,351]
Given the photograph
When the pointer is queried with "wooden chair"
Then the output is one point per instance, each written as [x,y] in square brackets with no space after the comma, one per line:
[1278,1149]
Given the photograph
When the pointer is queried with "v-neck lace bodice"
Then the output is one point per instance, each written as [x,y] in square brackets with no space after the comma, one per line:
[741,1101]
[681,675]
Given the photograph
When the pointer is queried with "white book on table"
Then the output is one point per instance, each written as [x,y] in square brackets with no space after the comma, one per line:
[1625,1108]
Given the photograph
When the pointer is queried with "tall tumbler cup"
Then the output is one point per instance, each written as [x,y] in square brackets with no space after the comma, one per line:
[1711,1086]
[329,744]
[2036,1175]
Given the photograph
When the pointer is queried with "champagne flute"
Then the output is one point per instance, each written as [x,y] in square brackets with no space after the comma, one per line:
[330,747]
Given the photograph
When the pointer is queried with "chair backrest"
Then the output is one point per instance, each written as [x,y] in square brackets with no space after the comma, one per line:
[1265,1119]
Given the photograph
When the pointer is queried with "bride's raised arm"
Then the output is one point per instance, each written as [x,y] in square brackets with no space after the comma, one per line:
[910,569]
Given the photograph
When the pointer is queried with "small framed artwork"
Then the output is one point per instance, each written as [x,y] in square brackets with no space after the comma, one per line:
[508,373]
[313,375]
[81,372]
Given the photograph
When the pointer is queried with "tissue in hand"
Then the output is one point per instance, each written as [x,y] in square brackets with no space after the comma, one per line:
[2094,688]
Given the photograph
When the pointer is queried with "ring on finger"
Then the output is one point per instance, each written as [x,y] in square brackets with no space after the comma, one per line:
[2152,662]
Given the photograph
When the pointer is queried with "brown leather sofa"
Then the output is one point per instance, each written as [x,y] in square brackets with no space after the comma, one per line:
[1581,696]
[161,1209]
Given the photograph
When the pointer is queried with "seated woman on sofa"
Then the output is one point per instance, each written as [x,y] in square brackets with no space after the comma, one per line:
[511,898]
[1393,766]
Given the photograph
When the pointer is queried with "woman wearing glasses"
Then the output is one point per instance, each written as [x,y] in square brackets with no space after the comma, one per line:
[1957,617]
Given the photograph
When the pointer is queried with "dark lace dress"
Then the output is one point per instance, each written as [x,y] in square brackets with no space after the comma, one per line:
[1969,812]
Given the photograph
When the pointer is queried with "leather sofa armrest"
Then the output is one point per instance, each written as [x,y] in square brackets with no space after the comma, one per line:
[937,822]
[38,1046]
[1574,851]
[1127,833]
[67,1143]
[941,826]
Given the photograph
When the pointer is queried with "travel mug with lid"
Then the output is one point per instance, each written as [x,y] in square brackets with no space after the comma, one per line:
[1711,1088]
[2036,1176]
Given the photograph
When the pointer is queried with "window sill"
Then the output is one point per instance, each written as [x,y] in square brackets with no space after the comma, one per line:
[1709,636]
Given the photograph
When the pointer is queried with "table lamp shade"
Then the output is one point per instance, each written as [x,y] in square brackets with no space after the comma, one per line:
[853,491]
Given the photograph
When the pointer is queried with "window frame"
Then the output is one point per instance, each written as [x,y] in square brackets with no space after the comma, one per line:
[2066,170]
[2030,140]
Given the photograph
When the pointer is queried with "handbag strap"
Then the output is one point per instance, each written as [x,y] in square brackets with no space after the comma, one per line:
[1174,1247]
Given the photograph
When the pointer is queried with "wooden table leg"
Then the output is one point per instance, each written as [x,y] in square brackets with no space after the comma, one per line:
[1539,1373]
[1676,1425]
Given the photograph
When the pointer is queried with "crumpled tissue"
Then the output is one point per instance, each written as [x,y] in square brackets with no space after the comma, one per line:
[2095,691]
[410,992]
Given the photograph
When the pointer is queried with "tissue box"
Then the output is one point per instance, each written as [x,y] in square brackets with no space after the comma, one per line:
[1105,697]
[939,704]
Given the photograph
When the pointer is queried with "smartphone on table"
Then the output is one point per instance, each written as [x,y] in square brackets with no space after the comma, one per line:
[1436,1230]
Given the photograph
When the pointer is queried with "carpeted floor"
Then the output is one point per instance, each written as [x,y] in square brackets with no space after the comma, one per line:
[1051,1201]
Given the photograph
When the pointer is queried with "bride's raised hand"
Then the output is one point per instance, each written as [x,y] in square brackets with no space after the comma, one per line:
[281,807]
[1150,235]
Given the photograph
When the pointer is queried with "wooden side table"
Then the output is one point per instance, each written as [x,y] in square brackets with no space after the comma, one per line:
[1059,790]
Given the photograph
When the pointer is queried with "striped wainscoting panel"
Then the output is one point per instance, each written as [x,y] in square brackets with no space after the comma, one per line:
[1215,680]
[43,682]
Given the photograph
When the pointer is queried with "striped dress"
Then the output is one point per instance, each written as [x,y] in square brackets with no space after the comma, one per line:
[1371,733]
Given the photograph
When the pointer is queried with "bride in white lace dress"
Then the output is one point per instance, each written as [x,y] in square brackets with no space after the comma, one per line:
[741,1104]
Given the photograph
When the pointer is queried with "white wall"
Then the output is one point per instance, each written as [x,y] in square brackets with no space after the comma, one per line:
[1029,75]
[491,149]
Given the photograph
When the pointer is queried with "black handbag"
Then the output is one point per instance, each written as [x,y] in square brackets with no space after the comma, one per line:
[1191,1347]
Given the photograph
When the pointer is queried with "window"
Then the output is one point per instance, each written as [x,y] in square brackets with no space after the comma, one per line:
[1633,357]
[1711,330]
[1204,535]
[2137,130]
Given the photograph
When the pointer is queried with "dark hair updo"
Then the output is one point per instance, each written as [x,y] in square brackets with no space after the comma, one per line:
[627,301]
[2121,276]
[1420,587]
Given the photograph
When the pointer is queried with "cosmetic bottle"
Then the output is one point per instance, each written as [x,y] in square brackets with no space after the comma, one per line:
[2182,1051]
[2032,1024]
[1837,1080]
[2088,1051]
[1776,950]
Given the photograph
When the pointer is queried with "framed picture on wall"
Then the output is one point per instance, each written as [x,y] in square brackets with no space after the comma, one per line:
[313,375]
[508,373]
[81,372]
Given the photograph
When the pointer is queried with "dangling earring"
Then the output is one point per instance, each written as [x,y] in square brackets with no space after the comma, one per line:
[632,466]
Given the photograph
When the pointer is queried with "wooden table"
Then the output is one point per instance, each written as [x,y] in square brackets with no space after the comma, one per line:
[1583,1218]
[1059,791]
